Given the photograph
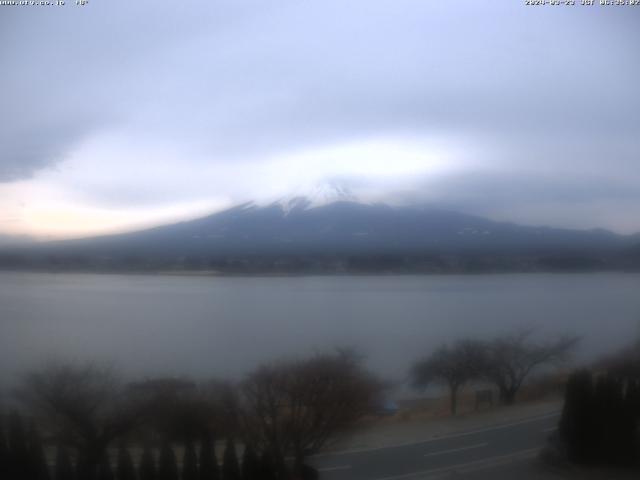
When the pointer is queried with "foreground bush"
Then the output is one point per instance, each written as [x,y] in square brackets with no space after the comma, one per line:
[600,420]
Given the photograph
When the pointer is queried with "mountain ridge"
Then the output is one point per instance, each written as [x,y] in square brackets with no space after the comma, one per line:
[341,233]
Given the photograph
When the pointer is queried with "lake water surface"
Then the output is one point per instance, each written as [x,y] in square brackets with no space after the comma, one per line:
[214,326]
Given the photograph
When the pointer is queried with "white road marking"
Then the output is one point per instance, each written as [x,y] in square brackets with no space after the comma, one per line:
[436,439]
[469,466]
[453,450]
[332,469]
[547,430]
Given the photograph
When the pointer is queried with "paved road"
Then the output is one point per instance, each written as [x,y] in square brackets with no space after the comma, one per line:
[461,451]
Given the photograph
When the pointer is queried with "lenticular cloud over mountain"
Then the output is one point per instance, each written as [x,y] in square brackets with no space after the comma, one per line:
[197,109]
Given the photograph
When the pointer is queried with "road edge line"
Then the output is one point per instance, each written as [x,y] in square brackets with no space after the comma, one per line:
[468,466]
[435,439]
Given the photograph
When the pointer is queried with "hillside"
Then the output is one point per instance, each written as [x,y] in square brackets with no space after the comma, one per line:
[303,234]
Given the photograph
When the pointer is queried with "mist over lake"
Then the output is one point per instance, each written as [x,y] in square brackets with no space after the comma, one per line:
[224,326]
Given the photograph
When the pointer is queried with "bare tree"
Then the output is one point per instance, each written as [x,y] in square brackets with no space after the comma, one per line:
[451,365]
[84,405]
[295,408]
[509,359]
[181,409]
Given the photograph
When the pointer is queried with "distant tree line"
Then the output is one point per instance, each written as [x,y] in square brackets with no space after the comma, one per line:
[321,263]
[506,362]
[83,423]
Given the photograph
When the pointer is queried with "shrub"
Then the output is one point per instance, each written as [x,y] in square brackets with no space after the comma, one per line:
[147,465]
[230,466]
[125,468]
[167,465]
[208,461]
[599,421]
[189,463]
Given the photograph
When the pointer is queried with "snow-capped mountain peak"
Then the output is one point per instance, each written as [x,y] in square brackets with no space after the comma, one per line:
[317,196]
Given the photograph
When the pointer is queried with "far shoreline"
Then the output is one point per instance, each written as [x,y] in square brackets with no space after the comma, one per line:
[221,274]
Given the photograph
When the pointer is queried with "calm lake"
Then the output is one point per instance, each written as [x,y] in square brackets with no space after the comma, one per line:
[212,326]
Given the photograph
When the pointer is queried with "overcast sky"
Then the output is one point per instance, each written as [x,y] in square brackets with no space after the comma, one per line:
[123,114]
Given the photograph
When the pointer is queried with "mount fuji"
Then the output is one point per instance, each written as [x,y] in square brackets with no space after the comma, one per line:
[329,229]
